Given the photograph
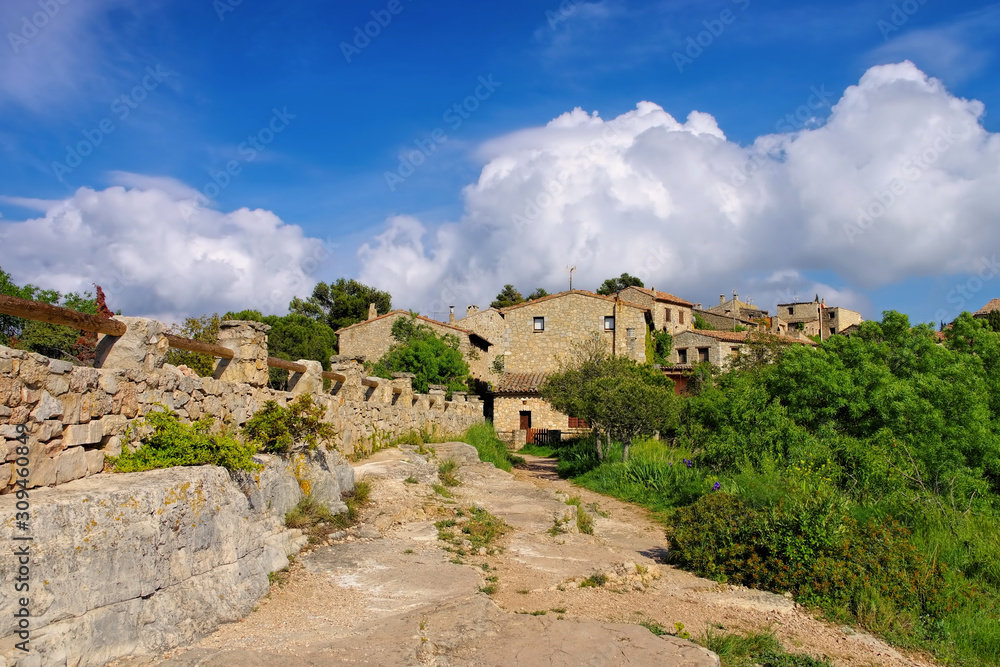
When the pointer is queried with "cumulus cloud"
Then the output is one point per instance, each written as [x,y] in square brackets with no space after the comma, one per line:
[157,253]
[900,181]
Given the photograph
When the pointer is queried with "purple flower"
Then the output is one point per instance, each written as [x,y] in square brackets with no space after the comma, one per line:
[716,486]
[688,463]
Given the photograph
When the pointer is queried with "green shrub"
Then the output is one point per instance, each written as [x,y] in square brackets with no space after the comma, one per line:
[167,443]
[276,429]
[821,556]
[446,473]
[754,649]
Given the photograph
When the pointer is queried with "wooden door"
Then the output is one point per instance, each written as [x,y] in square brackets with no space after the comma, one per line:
[525,420]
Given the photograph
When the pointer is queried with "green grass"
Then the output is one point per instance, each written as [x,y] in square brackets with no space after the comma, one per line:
[442,491]
[411,480]
[754,649]
[539,450]
[447,473]
[584,522]
[594,581]
[317,521]
[491,449]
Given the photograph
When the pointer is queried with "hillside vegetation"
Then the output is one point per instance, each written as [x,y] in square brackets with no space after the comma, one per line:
[863,477]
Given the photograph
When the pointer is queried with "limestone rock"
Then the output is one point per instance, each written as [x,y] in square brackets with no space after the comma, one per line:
[83,434]
[71,464]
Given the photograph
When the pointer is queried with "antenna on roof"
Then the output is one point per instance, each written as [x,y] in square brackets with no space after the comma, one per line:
[570,270]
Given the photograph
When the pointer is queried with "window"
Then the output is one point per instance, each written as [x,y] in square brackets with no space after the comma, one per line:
[539,324]
[791,311]
[609,323]
[682,356]
[702,354]
[830,314]
[630,333]
[735,351]
[670,316]
[576,422]
[833,331]
[680,317]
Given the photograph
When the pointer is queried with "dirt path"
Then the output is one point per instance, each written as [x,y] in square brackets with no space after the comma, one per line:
[388,593]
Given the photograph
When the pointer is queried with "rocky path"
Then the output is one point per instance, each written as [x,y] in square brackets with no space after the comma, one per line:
[544,593]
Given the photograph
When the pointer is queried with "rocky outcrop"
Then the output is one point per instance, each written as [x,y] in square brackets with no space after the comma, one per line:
[138,563]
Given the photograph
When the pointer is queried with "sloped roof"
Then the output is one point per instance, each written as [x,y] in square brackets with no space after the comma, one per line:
[663,296]
[428,320]
[568,293]
[991,305]
[519,383]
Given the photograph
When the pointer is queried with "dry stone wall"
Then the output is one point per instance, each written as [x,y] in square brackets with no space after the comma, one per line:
[75,417]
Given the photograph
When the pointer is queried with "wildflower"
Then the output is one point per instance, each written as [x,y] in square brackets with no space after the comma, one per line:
[688,463]
[716,486]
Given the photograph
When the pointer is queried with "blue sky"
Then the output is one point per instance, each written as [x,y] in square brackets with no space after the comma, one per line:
[225,72]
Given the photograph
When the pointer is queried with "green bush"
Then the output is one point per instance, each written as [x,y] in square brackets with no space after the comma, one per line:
[822,556]
[276,429]
[166,442]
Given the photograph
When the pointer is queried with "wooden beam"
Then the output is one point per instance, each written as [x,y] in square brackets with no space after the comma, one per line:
[274,362]
[43,312]
[336,377]
[371,382]
[198,346]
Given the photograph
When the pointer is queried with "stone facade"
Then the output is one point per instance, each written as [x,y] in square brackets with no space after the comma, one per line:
[75,416]
[725,322]
[743,310]
[716,347]
[668,312]
[372,338]
[507,411]
[542,334]
[805,317]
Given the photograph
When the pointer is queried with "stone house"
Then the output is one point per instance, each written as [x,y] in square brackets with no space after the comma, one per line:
[813,318]
[535,338]
[668,312]
[372,338]
[725,322]
[718,348]
[984,312]
[743,310]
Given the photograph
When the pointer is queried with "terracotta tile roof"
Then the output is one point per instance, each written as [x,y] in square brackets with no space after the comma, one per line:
[519,383]
[993,304]
[562,294]
[400,311]
[665,296]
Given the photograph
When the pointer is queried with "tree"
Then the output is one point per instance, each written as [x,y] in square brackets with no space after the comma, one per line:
[204,329]
[537,294]
[994,320]
[614,285]
[342,303]
[507,297]
[616,395]
[432,359]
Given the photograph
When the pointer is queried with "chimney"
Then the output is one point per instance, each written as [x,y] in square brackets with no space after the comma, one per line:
[372,313]
[822,303]
[471,310]
[722,299]
[451,314]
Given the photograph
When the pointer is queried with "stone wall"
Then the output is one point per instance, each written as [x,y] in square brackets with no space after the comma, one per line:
[373,338]
[135,564]
[720,352]
[75,416]
[507,418]
[725,322]
[666,312]
[571,318]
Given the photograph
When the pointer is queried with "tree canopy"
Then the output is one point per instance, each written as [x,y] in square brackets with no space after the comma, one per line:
[342,303]
[615,395]
[537,294]
[612,286]
[431,358]
[507,297]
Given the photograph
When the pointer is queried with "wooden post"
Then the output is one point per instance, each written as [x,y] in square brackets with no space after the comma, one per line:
[43,312]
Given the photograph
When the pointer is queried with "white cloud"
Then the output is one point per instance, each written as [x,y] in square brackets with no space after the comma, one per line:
[696,214]
[157,254]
